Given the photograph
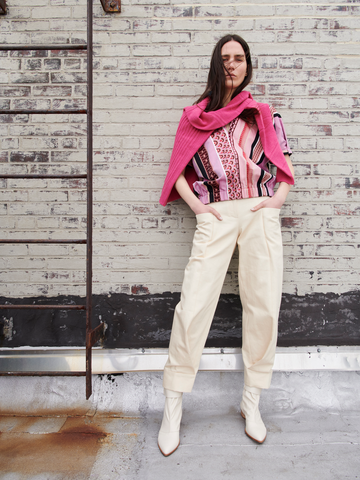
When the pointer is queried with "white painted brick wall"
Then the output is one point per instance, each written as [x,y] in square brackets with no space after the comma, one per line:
[151,61]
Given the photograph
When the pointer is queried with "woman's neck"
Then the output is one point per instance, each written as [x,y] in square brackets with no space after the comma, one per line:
[227,97]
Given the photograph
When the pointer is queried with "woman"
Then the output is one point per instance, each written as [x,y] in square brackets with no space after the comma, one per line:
[219,166]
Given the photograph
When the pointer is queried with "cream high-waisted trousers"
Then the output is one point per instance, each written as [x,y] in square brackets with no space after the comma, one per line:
[258,237]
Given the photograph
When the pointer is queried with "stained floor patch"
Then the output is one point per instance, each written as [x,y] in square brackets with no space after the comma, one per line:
[70,452]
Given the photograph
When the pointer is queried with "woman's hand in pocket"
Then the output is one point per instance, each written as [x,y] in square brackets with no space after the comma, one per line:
[270,202]
[201,208]
[276,201]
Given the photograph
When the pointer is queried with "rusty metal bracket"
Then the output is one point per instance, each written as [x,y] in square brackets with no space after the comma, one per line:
[2,7]
[111,6]
[92,336]
[96,334]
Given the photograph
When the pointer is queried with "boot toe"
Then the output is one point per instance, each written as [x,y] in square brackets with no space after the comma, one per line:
[168,442]
[256,431]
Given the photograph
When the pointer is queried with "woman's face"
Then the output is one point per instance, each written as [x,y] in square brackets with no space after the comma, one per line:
[235,65]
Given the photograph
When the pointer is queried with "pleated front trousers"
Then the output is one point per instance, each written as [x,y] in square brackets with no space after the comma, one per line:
[258,237]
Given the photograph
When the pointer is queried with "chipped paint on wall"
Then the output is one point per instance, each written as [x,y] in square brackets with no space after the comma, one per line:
[144,321]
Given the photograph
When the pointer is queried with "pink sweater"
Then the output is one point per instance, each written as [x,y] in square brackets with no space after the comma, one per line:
[196,126]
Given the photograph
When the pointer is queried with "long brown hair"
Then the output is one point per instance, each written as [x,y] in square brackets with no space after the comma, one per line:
[215,88]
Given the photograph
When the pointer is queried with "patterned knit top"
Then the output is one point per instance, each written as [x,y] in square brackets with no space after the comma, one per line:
[231,164]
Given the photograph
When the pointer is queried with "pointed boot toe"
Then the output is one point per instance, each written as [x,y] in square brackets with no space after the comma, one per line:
[169,434]
[168,442]
[255,430]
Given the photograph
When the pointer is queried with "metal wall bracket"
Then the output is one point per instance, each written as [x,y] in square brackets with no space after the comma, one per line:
[111,6]
[2,7]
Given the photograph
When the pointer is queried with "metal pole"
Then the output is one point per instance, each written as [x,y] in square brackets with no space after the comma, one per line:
[89,193]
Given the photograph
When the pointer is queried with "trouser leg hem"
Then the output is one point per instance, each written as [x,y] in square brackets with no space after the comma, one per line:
[178,382]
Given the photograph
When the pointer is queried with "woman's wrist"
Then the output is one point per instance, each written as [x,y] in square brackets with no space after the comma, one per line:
[188,195]
[282,191]
[196,205]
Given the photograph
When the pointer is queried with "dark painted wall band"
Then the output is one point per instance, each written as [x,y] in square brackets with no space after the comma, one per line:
[144,321]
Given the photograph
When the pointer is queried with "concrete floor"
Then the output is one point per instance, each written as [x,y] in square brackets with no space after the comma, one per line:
[306,439]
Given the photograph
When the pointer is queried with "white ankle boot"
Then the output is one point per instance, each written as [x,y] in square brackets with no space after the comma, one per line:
[254,426]
[169,435]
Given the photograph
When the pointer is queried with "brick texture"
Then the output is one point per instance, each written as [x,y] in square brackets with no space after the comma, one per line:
[150,61]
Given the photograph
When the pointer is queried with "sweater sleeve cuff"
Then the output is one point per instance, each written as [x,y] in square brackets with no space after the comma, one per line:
[284,177]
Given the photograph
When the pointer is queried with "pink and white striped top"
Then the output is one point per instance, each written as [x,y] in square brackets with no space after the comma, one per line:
[231,164]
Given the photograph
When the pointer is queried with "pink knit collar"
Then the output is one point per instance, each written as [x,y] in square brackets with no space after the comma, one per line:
[209,121]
